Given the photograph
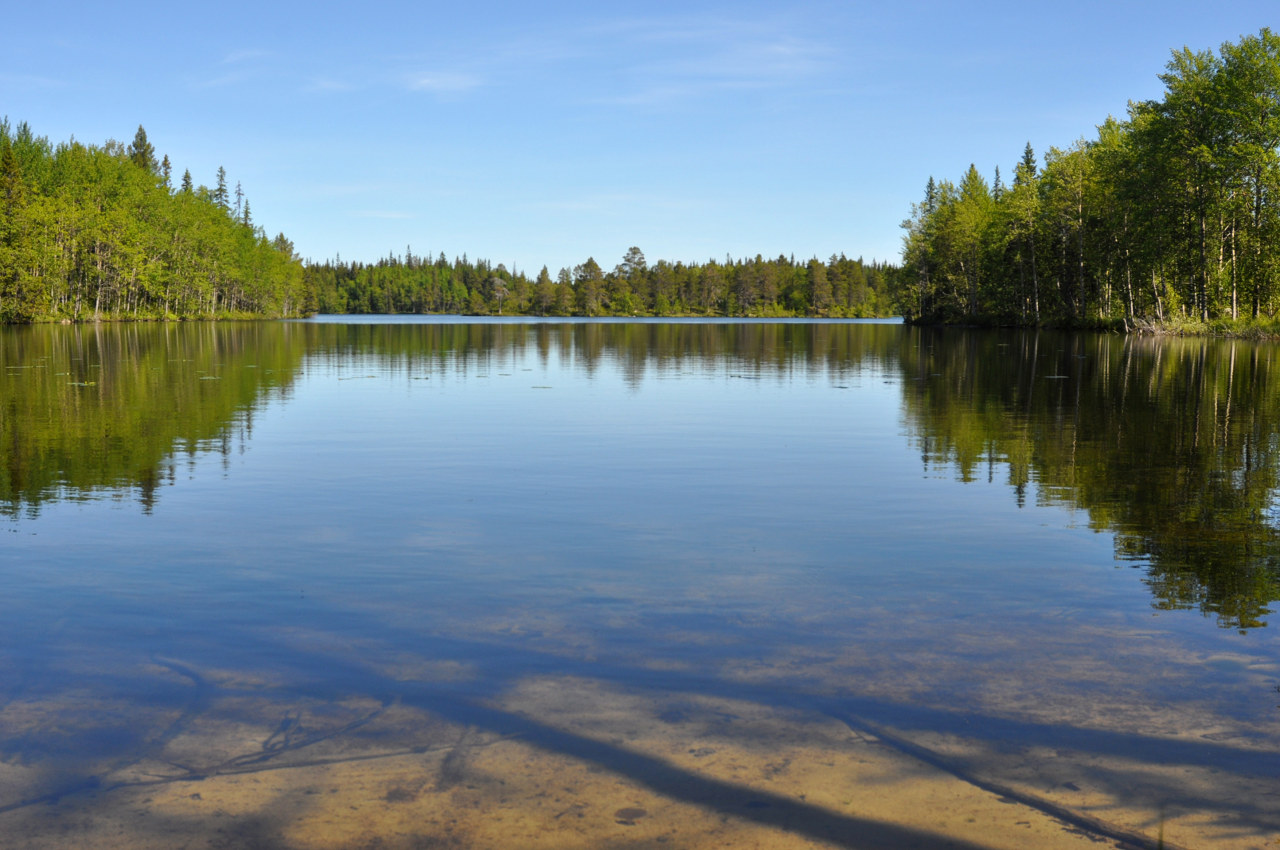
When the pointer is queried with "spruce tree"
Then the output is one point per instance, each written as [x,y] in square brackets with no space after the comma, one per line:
[1028,165]
[220,191]
[141,152]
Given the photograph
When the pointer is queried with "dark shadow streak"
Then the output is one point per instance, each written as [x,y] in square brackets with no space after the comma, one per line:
[762,807]
[759,806]
[500,665]
[497,666]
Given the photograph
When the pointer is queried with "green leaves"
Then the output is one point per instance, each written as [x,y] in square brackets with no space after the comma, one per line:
[1172,211]
[91,232]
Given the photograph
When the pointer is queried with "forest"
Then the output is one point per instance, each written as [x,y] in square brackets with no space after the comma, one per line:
[93,233]
[1170,215]
[100,232]
[839,287]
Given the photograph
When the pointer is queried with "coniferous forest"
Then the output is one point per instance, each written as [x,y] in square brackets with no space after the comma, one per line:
[1171,215]
[90,232]
[839,287]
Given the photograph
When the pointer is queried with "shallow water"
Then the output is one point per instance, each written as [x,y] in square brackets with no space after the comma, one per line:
[448,582]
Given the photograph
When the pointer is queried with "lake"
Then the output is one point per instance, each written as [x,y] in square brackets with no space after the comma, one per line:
[449,582]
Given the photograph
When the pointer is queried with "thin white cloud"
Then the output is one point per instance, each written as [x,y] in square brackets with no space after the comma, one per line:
[444,82]
[238,66]
[223,80]
[235,57]
[638,61]
[664,60]
[710,66]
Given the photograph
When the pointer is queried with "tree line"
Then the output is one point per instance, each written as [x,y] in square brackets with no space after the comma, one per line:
[839,287]
[100,232]
[1172,214]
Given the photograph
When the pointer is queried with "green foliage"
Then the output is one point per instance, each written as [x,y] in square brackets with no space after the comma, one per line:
[94,410]
[91,233]
[840,287]
[1173,212]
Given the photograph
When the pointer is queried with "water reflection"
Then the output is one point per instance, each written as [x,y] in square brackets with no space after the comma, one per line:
[638,348]
[1172,445]
[1169,444]
[630,584]
[106,410]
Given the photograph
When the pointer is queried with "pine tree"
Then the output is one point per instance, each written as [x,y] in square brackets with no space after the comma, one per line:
[166,171]
[186,182]
[141,152]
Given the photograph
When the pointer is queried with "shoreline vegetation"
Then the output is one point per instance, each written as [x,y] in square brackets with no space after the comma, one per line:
[751,288]
[1166,222]
[100,233]
[1181,326]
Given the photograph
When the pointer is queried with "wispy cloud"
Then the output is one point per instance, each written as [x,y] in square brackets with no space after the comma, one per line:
[666,59]
[444,82]
[653,60]
[238,66]
[691,61]
[236,57]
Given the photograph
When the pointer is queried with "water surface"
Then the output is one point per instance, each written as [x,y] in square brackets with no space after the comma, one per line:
[333,583]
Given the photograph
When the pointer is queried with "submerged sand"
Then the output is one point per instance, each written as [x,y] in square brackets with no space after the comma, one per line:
[566,762]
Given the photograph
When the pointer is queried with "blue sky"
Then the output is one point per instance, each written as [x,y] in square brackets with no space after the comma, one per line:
[541,134]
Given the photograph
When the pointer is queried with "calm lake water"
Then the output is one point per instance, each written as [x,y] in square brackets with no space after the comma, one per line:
[450,582]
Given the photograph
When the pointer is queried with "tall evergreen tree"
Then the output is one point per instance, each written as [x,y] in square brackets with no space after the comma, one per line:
[141,152]
[220,196]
